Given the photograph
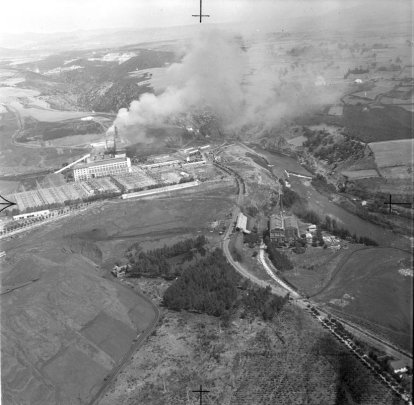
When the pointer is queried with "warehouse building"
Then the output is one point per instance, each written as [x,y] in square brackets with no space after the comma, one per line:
[276,229]
[241,223]
[282,229]
[291,228]
[101,168]
[36,214]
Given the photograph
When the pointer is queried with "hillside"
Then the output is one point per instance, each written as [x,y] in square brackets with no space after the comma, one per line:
[65,331]
[289,360]
[97,80]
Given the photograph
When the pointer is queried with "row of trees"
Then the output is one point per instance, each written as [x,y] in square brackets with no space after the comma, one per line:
[320,183]
[252,239]
[329,224]
[278,258]
[289,197]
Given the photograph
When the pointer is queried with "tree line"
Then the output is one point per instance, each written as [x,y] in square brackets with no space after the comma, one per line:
[329,224]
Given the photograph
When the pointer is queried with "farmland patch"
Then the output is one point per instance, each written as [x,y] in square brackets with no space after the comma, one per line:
[382,300]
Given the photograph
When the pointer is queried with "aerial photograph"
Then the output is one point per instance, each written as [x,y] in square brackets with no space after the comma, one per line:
[206,202]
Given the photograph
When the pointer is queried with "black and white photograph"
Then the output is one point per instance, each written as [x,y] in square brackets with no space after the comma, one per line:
[206,202]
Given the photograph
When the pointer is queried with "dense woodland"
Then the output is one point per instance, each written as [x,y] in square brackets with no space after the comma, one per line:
[155,263]
[325,147]
[211,286]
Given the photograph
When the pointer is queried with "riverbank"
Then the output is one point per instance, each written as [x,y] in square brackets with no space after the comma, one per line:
[323,205]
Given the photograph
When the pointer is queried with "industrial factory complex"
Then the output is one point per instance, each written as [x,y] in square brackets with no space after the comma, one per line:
[93,177]
[102,168]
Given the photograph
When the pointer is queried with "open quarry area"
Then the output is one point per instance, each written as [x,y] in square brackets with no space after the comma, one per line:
[216,210]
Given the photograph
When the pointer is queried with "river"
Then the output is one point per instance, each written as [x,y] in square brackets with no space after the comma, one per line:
[323,206]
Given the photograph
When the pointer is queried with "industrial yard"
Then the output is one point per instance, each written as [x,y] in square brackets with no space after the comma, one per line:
[104,176]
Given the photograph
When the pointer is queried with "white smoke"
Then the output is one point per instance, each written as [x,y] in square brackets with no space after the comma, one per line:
[216,73]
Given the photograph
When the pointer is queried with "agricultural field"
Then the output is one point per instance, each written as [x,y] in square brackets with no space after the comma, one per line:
[360,174]
[382,123]
[14,95]
[48,131]
[75,141]
[55,346]
[75,325]
[367,286]
[314,268]
[392,154]
[15,159]
[48,115]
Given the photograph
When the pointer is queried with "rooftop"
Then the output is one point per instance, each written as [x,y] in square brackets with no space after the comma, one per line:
[291,222]
[276,222]
[100,162]
[398,364]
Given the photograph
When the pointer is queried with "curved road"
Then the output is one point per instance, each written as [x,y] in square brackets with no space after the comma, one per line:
[299,300]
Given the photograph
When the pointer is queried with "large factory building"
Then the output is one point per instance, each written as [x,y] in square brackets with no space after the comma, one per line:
[101,168]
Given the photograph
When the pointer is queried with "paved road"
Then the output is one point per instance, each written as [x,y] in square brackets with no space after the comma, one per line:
[269,270]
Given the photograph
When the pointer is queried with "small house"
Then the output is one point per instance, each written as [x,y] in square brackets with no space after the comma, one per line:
[398,366]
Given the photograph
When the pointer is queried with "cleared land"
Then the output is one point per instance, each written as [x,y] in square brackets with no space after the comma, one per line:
[367,287]
[290,360]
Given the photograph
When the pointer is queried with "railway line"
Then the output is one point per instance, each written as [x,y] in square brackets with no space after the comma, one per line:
[305,304]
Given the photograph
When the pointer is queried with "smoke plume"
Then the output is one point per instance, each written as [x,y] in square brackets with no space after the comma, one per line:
[244,89]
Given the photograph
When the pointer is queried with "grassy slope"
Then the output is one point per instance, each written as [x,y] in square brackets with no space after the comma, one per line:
[382,296]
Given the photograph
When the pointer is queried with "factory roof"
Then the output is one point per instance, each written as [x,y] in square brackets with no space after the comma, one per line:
[276,222]
[241,222]
[100,162]
[291,222]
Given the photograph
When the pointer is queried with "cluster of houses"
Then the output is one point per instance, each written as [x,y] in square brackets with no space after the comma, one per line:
[120,271]
[285,229]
